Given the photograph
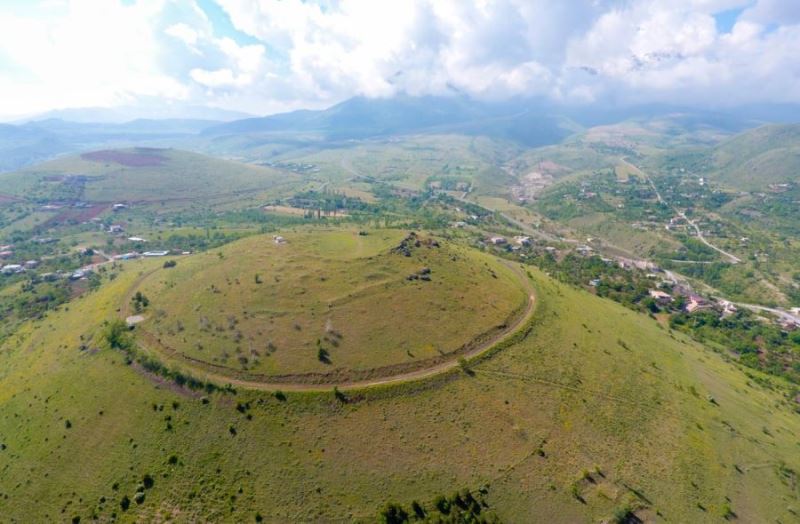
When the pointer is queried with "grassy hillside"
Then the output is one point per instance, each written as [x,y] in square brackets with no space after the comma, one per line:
[328,303]
[139,175]
[596,412]
[757,158]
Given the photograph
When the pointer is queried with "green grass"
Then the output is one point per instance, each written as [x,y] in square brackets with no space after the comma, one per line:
[756,158]
[269,309]
[181,177]
[597,402]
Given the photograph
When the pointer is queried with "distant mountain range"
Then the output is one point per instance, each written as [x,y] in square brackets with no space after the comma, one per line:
[527,122]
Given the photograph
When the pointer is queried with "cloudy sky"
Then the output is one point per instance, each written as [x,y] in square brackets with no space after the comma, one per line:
[266,56]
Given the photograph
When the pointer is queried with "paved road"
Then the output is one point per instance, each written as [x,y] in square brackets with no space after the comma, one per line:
[733,259]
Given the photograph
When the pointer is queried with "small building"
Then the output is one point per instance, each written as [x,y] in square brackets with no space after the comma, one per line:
[497,241]
[155,253]
[126,256]
[728,308]
[459,224]
[789,325]
[595,282]
[115,228]
[696,303]
[136,239]
[6,254]
[660,296]
[31,264]
[584,250]
[12,269]
[522,240]
[119,207]
[278,239]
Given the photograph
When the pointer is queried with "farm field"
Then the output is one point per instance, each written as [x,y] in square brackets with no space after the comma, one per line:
[328,304]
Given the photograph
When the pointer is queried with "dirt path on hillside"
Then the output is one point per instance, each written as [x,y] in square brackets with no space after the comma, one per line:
[299,386]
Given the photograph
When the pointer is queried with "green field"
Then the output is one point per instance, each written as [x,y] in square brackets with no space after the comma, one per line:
[272,309]
[596,410]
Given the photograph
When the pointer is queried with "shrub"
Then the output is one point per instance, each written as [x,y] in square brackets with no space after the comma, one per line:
[442,504]
[394,514]
[116,334]
[339,395]
[280,395]
[139,497]
[147,481]
[170,263]
[125,503]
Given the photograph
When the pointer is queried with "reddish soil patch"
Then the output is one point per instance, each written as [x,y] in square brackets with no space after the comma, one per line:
[5,199]
[141,157]
[76,215]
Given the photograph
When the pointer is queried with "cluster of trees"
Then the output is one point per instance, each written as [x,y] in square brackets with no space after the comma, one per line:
[140,302]
[461,507]
[117,335]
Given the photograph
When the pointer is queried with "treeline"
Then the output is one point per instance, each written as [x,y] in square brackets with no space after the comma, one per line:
[117,335]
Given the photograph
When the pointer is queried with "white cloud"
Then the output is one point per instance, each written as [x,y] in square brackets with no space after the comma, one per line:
[310,54]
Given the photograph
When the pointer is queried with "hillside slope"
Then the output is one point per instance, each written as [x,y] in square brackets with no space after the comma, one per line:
[754,159]
[360,118]
[598,411]
[138,175]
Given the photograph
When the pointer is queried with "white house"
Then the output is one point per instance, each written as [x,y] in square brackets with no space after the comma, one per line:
[10,269]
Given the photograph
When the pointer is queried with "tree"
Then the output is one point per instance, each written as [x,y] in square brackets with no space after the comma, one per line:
[394,514]
[116,335]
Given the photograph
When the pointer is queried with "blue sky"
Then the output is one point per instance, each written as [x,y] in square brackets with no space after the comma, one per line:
[266,56]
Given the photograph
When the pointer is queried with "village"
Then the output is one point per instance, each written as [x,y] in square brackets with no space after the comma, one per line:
[666,292]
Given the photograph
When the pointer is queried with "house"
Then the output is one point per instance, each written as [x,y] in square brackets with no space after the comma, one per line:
[728,308]
[594,282]
[120,207]
[126,256]
[696,303]
[584,250]
[31,264]
[11,269]
[497,241]
[522,240]
[155,253]
[460,224]
[136,239]
[660,296]
[278,239]
[115,228]
[6,254]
